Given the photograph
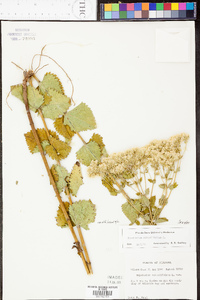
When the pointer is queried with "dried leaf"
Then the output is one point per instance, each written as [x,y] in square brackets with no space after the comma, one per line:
[130,212]
[145,211]
[31,142]
[173,186]
[60,218]
[82,213]
[138,194]
[58,105]
[62,148]
[89,152]
[162,186]
[107,182]
[44,145]
[161,220]
[47,99]
[99,140]
[53,134]
[76,179]
[147,191]
[80,118]
[145,201]
[152,180]
[177,170]
[157,213]
[128,175]
[17,91]
[60,174]
[163,200]
[137,222]
[152,201]
[51,151]
[35,99]
[146,218]
[104,152]
[51,81]
[62,129]
[54,173]
[58,149]
[145,223]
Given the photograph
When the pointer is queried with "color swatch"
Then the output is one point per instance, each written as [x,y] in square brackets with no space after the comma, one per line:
[148,11]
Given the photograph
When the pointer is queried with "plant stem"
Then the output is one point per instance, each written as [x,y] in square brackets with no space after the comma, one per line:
[145,180]
[44,123]
[80,235]
[139,184]
[71,202]
[27,76]
[125,194]
[154,178]
[80,137]
[118,185]
[173,181]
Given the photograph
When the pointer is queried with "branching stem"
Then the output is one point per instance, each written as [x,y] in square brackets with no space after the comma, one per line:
[27,76]
[71,202]
[80,235]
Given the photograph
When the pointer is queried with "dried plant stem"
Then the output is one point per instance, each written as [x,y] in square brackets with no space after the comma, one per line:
[37,69]
[154,178]
[117,184]
[172,182]
[85,249]
[133,188]
[80,235]
[145,180]
[71,202]
[139,184]
[27,76]
[80,137]
[44,123]
[124,194]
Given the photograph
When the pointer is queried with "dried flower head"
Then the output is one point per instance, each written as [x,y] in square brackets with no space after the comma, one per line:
[140,169]
[156,154]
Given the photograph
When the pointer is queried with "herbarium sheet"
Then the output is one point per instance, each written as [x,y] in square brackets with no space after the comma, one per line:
[99,170]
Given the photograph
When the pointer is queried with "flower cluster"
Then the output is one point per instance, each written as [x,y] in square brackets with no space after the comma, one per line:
[159,153]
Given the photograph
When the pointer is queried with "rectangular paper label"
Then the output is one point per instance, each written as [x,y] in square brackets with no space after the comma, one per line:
[169,238]
[102,292]
[164,275]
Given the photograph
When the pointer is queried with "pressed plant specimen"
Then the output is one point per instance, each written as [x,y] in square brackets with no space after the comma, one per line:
[47,99]
[143,170]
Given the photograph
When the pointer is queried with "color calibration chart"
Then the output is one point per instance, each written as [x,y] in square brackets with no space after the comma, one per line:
[148,11]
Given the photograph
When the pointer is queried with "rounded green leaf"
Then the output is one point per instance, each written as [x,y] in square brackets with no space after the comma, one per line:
[87,153]
[58,105]
[35,99]
[130,212]
[80,118]
[75,179]
[82,213]
[50,81]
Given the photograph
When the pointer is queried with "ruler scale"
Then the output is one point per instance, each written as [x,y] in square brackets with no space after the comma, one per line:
[48,10]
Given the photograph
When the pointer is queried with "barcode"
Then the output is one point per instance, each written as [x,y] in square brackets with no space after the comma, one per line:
[102,293]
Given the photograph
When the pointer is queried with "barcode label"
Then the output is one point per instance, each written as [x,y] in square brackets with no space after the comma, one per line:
[102,292]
